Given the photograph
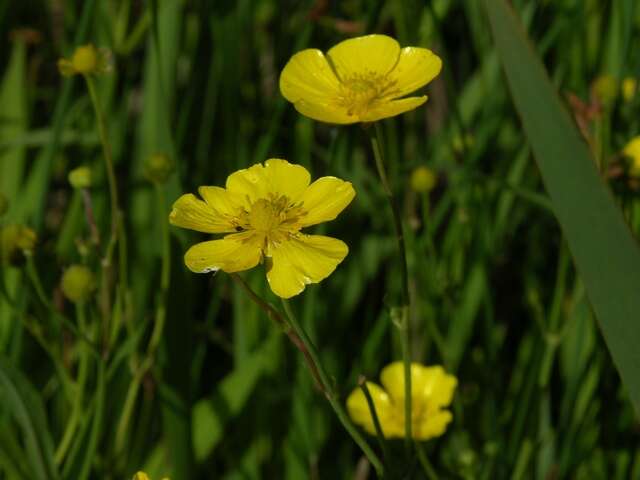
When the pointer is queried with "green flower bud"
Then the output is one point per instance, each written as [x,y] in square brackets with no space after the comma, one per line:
[78,283]
[4,204]
[80,177]
[16,241]
[158,167]
[423,179]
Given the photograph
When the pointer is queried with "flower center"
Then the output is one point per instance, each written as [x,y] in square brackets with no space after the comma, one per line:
[359,92]
[270,220]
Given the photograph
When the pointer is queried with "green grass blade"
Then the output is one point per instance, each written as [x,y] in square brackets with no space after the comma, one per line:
[606,254]
[23,401]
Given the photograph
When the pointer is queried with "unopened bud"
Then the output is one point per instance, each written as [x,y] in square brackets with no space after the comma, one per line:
[16,241]
[80,177]
[423,179]
[78,283]
[158,168]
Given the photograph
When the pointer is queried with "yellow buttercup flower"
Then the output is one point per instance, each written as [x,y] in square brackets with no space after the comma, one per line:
[432,390]
[362,79]
[263,209]
[86,60]
[632,151]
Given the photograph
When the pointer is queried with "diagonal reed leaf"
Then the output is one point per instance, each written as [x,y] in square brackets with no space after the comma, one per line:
[604,250]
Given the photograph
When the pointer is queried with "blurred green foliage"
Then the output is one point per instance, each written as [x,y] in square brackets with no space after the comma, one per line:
[222,394]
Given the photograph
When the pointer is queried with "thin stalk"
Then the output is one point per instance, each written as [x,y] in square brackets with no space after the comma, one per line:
[428,469]
[76,412]
[117,224]
[362,383]
[300,339]
[34,277]
[377,145]
[330,393]
[158,326]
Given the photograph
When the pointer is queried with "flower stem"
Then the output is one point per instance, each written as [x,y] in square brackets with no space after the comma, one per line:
[362,383]
[303,343]
[428,469]
[117,224]
[377,145]
[330,393]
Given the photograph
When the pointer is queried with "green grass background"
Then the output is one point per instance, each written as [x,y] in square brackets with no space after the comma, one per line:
[228,397]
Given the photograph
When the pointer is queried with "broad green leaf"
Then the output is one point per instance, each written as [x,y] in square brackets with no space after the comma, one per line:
[604,250]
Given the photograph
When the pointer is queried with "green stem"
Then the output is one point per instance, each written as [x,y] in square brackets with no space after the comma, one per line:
[158,327]
[165,275]
[329,391]
[362,383]
[300,339]
[76,412]
[428,469]
[117,224]
[375,134]
[34,277]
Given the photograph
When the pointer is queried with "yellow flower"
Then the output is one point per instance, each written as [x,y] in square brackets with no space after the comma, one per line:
[432,391]
[144,476]
[362,79]
[632,151]
[629,88]
[262,210]
[86,60]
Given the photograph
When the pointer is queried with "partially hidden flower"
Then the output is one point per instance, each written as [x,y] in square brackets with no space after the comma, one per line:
[144,476]
[632,152]
[431,392]
[262,210]
[361,79]
[86,60]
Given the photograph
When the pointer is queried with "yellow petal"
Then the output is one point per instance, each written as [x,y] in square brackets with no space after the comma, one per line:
[368,54]
[190,212]
[229,254]
[415,68]
[248,183]
[140,476]
[358,408]
[435,386]
[285,178]
[325,199]
[325,112]
[430,386]
[303,260]
[386,109]
[223,202]
[308,76]
[431,426]
[276,176]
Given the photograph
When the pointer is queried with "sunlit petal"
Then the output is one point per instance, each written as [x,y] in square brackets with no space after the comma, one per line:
[230,254]
[325,112]
[222,201]
[308,75]
[325,199]
[375,54]
[415,68]
[284,178]
[359,411]
[392,108]
[192,213]
[303,260]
